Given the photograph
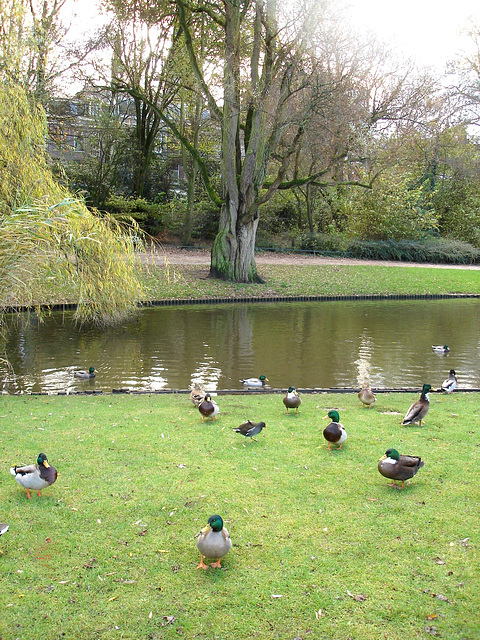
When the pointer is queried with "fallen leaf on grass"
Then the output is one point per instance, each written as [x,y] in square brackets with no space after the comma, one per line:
[441,597]
[168,620]
[431,630]
[318,614]
[112,598]
[276,595]
[89,564]
[359,597]
[439,561]
[432,616]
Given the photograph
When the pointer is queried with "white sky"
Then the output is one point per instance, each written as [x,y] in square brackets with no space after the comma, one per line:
[427,30]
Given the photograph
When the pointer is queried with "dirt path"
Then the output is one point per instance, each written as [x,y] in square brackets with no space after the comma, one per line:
[202,257]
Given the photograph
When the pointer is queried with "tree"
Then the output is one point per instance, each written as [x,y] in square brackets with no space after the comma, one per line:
[46,236]
[34,48]
[142,67]
[270,93]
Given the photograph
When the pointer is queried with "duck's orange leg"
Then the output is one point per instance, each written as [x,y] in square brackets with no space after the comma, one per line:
[202,565]
[28,494]
[216,565]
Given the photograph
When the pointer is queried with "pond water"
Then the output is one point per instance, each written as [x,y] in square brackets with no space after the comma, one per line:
[307,345]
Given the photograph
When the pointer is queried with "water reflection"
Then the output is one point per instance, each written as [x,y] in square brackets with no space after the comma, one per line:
[324,344]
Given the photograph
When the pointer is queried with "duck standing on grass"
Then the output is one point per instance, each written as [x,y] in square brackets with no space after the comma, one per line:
[418,410]
[208,408]
[256,383]
[292,400]
[250,429]
[334,433]
[394,466]
[197,394]
[366,395]
[35,476]
[84,375]
[450,383]
[213,542]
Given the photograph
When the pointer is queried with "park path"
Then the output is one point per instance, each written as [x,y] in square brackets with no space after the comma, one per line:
[175,255]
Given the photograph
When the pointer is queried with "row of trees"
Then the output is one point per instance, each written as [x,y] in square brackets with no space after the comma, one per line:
[272,107]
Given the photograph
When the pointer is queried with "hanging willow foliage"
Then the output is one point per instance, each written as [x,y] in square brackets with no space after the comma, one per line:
[48,236]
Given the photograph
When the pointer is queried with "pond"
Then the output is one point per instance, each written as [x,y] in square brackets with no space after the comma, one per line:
[307,345]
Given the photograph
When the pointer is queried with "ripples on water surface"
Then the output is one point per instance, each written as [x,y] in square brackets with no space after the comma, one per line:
[315,344]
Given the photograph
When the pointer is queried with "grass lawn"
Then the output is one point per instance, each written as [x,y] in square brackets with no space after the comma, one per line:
[191,282]
[322,547]
[312,280]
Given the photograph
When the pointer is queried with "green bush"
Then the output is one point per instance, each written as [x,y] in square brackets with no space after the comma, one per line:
[323,242]
[436,251]
[148,215]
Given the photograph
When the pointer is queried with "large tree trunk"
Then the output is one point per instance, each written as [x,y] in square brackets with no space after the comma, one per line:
[233,252]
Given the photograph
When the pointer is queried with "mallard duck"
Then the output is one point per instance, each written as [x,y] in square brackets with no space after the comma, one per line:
[250,429]
[213,542]
[81,373]
[3,528]
[397,467]
[35,476]
[450,383]
[292,400]
[418,410]
[197,394]
[366,395]
[208,408]
[334,433]
[261,381]
[438,348]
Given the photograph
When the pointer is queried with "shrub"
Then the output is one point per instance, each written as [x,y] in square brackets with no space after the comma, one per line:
[436,251]
[148,215]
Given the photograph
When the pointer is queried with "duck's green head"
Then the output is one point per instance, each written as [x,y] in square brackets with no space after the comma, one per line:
[91,370]
[426,388]
[262,378]
[393,454]
[333,415]
[215,522]
[291,389]
[42,460]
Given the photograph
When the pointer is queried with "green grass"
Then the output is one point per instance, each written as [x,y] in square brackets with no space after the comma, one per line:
[333,280]
[109,551]
[191,282]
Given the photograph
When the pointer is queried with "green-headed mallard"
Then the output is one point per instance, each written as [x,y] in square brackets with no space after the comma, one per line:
[450,383]
[418,410]
[250,429]
[396,467]
[438,348]
[366,395]
[81,373]
[213,542]
[208,408]
[292,400]
[197,394]
[261,381]
[35,476]
[334,433]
